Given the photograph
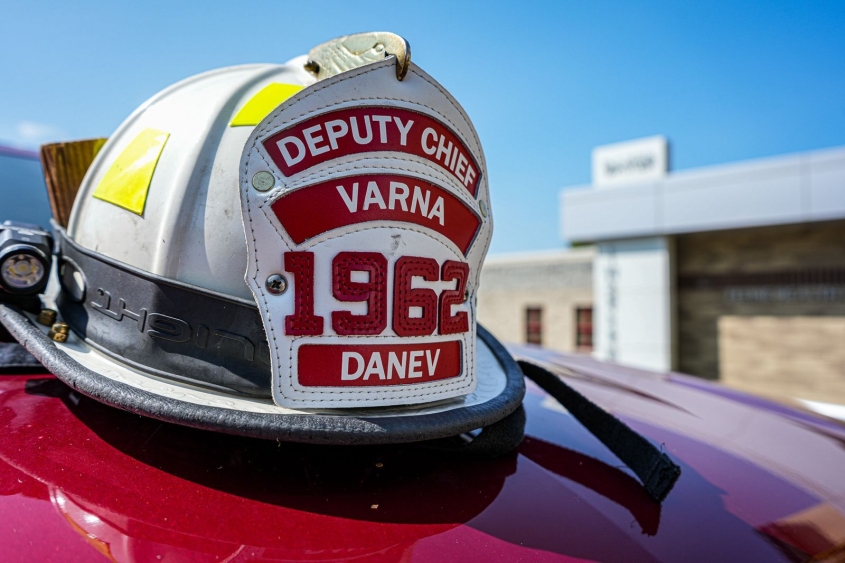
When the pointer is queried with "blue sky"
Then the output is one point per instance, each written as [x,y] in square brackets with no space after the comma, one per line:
[544,82]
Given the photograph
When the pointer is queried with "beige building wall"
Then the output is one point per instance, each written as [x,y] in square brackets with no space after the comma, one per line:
[764,309]
[557,282]
[790,356]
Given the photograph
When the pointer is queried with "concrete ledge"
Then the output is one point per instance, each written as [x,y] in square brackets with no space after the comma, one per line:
[781,190]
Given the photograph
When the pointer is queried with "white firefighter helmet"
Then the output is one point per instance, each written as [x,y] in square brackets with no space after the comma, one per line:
[288,251]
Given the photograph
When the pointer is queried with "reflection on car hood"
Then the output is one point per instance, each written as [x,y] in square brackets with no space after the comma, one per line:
[760,482]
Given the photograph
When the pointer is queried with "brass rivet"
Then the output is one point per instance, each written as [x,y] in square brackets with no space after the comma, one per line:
[263,181]
[59,332]
[46,317]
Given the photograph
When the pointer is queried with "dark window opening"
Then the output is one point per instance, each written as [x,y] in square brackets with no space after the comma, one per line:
[584,329]
[534,325]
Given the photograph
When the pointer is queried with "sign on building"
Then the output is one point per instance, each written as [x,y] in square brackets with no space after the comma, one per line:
[631,162]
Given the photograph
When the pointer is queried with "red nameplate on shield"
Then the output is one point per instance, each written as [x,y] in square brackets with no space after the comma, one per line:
[331,365]
[313,210]
[371,129]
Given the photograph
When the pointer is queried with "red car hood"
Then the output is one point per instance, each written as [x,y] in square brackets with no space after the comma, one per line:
[80,481]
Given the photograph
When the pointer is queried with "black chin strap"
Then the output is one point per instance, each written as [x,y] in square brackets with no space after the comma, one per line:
[657,472]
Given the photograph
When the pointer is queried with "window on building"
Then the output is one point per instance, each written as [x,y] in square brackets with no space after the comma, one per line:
[584,329]
[534,325]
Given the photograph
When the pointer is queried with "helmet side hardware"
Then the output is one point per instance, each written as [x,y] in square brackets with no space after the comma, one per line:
[353,51]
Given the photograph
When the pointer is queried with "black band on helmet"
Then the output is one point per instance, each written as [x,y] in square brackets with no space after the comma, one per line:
[162,327]
[339,429]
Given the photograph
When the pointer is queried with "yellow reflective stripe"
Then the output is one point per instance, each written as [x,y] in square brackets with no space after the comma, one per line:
[263,102]
[127,180]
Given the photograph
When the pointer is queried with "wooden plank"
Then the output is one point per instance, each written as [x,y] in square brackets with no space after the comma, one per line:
[65,165]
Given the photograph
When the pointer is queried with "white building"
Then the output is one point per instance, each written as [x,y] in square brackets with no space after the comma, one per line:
[732,272]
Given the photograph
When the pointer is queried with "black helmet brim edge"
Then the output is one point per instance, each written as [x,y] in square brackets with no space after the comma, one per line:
[306,428]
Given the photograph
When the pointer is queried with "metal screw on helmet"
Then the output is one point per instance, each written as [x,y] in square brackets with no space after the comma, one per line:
[276,284]
[263,181]
[59,332]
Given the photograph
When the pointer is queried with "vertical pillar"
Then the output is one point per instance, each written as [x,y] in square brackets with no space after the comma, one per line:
[634,320]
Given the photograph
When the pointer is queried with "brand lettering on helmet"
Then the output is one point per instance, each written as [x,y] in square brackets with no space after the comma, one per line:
[168,328]
[335,365]
[376,197]
[173,329]
[122,311]
[373,129]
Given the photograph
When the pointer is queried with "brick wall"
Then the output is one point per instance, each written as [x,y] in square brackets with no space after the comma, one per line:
[791,356]
[556,284]
[764,309]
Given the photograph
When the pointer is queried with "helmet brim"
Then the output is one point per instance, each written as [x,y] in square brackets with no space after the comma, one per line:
[500,391]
